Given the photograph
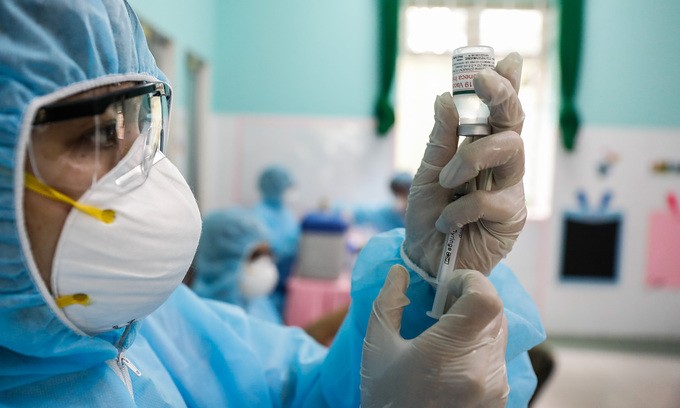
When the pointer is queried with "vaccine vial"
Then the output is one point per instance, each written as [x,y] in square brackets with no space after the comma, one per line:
[473,113]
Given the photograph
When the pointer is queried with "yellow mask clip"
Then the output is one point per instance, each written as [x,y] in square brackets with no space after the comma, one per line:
[75,299]
[32,183]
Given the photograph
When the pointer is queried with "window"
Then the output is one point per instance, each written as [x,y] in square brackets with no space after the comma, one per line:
[428,35]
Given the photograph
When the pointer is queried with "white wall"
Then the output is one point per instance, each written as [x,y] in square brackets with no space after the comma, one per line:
[627,307]
[338,159]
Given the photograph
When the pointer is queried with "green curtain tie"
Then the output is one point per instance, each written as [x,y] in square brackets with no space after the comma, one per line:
[569,123]
[385,115]
[571,33]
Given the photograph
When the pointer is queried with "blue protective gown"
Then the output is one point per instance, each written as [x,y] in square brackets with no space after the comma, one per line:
[382,251]
[380,219]
[191,351]
[284,236]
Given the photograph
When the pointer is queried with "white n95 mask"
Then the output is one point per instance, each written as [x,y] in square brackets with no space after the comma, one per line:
[259,277]
[106,275]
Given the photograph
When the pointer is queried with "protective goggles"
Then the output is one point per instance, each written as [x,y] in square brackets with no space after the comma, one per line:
[77,141]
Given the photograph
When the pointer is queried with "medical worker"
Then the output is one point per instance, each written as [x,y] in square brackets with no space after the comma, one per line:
[387,217]
[276,186]
[234,263]
[98,228]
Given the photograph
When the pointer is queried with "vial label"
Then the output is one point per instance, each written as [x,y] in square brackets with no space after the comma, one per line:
[465,67]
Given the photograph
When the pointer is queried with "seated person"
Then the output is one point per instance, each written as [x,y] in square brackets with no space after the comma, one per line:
[234,263]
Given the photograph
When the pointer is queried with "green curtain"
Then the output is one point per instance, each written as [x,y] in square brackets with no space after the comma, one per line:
[389,21]
[571,28]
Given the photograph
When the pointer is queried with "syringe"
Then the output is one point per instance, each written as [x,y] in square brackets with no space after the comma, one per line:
[446,268]
[449,256]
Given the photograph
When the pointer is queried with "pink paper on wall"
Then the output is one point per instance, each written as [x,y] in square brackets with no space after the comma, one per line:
[663,253]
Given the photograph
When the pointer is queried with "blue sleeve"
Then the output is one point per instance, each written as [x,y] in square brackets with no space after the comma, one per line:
[217,355]
[344,358]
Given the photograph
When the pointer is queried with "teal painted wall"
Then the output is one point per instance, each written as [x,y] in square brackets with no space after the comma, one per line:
[631,63]
[308,57]
[190,25]
[296,57]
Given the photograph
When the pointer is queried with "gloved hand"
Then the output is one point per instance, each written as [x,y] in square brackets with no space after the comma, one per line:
[457,362]
[493,213]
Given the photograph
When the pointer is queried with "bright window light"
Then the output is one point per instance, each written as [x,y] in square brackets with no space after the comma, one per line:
[429,35]
[512,30]
[434,29]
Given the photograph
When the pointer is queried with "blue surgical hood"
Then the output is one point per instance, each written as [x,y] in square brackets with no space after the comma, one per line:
[48,46]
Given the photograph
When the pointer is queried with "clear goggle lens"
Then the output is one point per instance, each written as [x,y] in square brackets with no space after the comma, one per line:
[77,142]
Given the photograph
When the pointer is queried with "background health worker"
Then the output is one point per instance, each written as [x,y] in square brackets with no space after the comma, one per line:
[99,228]
[234,263]
[387,217]
[276,185]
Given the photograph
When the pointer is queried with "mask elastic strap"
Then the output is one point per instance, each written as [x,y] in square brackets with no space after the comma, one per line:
[32,183]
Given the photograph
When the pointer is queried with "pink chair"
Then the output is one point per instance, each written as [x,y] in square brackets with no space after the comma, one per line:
[309,299]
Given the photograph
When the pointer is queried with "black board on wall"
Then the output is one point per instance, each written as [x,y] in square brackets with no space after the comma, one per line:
[590,246]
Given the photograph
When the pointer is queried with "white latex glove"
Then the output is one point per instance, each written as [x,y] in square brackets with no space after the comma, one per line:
[493,214]
[458,362]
